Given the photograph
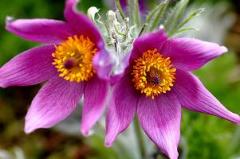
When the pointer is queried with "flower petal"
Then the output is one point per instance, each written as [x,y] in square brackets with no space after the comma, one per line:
[95,95]
[160,119]
[80,23]
[39,30]
[53,103]
[190,54]
[194,96]
[148,41]
[28,68]
[103,63]
[142,5]
[121,109]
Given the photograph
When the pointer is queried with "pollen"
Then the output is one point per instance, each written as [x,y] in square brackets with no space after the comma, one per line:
[153,74]
[73,59]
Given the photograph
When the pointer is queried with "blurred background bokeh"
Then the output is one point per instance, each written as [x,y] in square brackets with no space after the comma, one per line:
[203,137]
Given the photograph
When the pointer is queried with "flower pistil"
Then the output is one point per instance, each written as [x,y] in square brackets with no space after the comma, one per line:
[73,58]
[153,74]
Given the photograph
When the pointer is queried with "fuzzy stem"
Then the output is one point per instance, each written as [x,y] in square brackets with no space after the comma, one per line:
[134,13]
[140,139]
[119,7]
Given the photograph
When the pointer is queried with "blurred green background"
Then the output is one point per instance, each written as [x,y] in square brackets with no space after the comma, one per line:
[205,137]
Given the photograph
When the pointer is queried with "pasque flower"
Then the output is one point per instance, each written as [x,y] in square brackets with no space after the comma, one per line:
[157,83]
[65,61]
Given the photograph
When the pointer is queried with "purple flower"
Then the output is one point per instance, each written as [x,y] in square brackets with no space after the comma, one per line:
[65,61]
[157,83]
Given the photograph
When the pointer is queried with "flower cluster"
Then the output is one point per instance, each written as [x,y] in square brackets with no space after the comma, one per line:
[73,61]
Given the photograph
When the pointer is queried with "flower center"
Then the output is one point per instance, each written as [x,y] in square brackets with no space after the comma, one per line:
[73,58]
[153,74]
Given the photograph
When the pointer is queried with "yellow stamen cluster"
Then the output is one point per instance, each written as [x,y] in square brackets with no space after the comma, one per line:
[153,74]
[73,58]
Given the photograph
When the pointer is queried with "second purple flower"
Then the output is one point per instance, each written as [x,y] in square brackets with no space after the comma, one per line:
[157,83]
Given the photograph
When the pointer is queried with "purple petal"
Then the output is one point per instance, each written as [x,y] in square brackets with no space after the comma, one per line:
[120,69]
[121,109]
[142,5]
[39,30]
[103,63]
[55,101]
[194,96]
[28,68]
[148,41]
[123,3]
[160,119]
[80,23]
[95,96]
[190,54]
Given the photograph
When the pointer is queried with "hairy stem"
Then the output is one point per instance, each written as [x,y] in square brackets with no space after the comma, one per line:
[140,139]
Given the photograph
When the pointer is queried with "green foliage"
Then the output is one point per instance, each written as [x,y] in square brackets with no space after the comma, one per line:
[155,16]
[172,19]
[208,1]
[176,19]
[134,12]
[176,14]
[209,137]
